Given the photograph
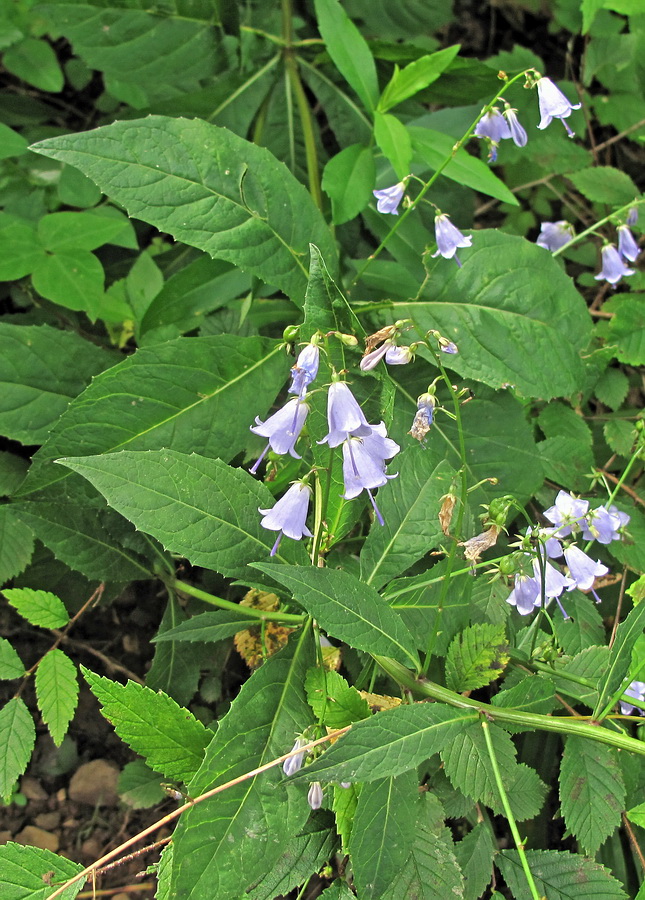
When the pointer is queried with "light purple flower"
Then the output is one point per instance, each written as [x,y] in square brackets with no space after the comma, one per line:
[315,795]
[554,235]
[554,581]
[344,415]
[294,763]
[632,216]
[627,246]
[305,370]
[518,133]
[371,360]
[424,417]
[389,198]
[448,347]
[282,429]
[582,569]
[493,126]
[398,356]
[449,238]
[636,690]
[289,514]
[364,464]
[613,267]
[525,595]
[604,525]
[553,104]
[567,513]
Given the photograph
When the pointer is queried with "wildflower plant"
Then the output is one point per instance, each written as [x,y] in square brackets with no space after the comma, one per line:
[382,471]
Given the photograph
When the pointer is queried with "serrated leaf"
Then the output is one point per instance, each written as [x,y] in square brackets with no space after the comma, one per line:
[612,387]
[169,737]
[208,188]
[348,50]
[384,827]
[389,743]
[10,663]
[36,379]
[533,694]
[164,873]
[38,607]
[627,328]
[344,804]
[627,633]
[12,472]
[17,738]
[175,667]
[591,665]
[410,508]
[604,184]
[16,544]
[183,395]
[225,845]
[347,609]
[559,876]
[583,629]
[57,692]
[139,786]
[620,436]
[592,793]
[335,703]
[29,873]
[476,657]
[495,309]
[209,626]
[415,76]
[198,507]
[473,854]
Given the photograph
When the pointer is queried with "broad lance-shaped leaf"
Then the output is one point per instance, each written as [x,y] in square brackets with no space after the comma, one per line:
[410,507]
[206,187]
[10,664]
[57,692]
[209,626]
[38,607]
[389,743]
[627,634]
[30,872]
[223,845]
[592,793]
[170,738]
[17,739]
[347,609]
[559,876]
[515,316]
[198,507]
[190,394]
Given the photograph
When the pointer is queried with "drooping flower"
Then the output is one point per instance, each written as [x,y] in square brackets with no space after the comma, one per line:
[344,415]
[604,525]
[525,595]
[294,763]
[364,463]
[518,133]
[389,198]
[636,690]
[627,246]
[553,104]
[448,347]
[449,238]
[315,795]
[613,267]
[582,569]
[289,514]
[492,125]
[554,235]
[632,216]
[282,429]
[567,513]
[424,416]
[398,356]
[393,355]
[371,360]
[305,370]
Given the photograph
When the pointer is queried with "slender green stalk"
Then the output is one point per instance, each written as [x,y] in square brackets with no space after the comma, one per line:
[519,843]
[593,228]
[311,153]
[322,502]
[257,614]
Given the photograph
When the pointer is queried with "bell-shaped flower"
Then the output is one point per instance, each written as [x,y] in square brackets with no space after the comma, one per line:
[554,235]
[636,690]
[393,355]
[449,238]
[398,356]
[613,267]
[604,525]
[567,513]
[553,104]
[305,370]
[493,126]
[389,198]
[632,216]
[289,514]
[294,763]
[371,360]
[448,347]
[627,246]
[525,595]
[344,415]
[518,133]
[315,795]
[582,569]
[282,429]
[364,464]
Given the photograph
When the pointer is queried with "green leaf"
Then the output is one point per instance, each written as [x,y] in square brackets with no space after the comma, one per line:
[22,251]
[348,181]
[627,633]
[225,845]
[176,668]
[17,739]
[35,62]
[68,231]
[393,138]
[36,379]
[208,188]
[209,627]
[468,765]
[476,657]
[592,793]
[11,143]
[29,873]
[10,663]
[389,743]
[76,189]
[590,664]
[384,828]
[185,395]
[13,470]
[38,607]
[197,507]
[566,453]
[513,313]
[559,876]
[627,328]
[139,786]
[604,184]
[347,609]
[169,737]
[348,50]
[637,815]
[585,627]
[415,76]
[433,148]
[335,703]
[612,388]
[474,854]
[16,544]
[410,508]
[57,692]
[73,279]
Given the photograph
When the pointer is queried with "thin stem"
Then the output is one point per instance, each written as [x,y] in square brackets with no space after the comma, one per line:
[311,153]
[249,612]
[596,226]
[519,843]
[321,509]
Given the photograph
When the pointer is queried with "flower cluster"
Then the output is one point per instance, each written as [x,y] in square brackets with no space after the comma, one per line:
[496,126]
[569,516]
[615,259]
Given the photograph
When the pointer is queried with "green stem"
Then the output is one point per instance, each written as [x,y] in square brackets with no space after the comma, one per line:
[311,153]
[250,612]
[322,498]
[593,228]
[519,843]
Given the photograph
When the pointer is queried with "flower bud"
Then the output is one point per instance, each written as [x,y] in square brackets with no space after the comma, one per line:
[290,333]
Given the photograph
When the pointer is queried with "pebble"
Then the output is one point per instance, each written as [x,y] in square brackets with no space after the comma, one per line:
[33,836]
[95,783]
